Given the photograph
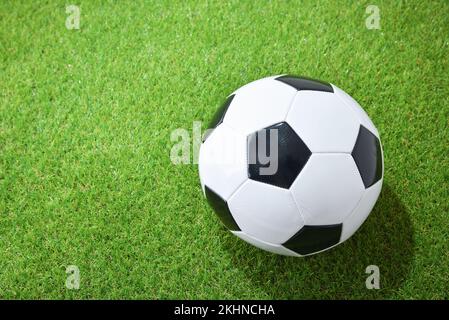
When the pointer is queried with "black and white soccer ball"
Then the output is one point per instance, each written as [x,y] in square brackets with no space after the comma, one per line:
[329,165]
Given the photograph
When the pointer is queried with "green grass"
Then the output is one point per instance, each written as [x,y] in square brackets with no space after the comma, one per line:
[85,122]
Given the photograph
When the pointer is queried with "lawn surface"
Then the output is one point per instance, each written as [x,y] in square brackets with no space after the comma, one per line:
[85,123]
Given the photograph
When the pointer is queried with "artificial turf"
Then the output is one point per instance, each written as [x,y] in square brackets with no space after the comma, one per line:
[85,122]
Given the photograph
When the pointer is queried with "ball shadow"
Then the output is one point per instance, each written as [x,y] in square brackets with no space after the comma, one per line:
[385,240]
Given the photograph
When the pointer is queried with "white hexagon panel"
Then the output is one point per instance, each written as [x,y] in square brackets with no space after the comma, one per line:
[328,188]
[273,219]
[323,121]
[270,247]
[259,104]
[361,212]
[357,109]
[222,161]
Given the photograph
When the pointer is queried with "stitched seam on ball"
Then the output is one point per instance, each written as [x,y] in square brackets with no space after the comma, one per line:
[290,106]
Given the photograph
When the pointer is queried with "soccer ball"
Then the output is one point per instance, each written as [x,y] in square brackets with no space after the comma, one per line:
[293,165]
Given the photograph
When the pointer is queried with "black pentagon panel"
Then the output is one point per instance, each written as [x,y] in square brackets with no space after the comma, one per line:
[304,83]
[221,209]
[367,155]
[276,168]
[219,116]
[311,239]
